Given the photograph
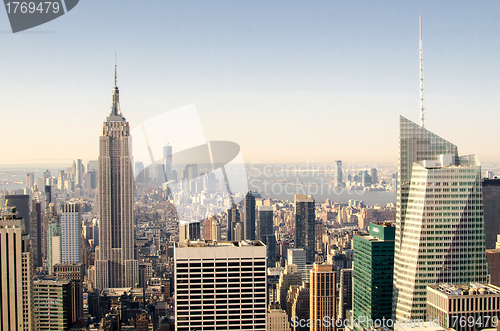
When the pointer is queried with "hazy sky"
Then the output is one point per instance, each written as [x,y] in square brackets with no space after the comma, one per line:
[290,81]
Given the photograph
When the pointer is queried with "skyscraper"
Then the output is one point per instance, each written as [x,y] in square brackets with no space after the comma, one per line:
[249,215]
[338,174]
[30,182]
[374,175]
[373,269]
[265,233]
[36,232]
[53,242]
[79,172]
[71,233]
[75,273]
[52,302]
[305,216]
[16,279]
[48,197]
[233,217]
[491,202]
[115,264]
[167,161]
[439,220]
[220,286]
[22,204]
[323,299]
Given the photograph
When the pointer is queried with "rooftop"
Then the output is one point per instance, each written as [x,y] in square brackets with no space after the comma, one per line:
[466,289]
[209,243]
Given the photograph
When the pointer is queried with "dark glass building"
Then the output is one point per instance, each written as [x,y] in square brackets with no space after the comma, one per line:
[249,214]
[373,270]
[265,233]
[305,216]
[491,208]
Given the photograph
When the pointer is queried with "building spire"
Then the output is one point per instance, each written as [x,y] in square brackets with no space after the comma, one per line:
[422,109]
[115,107]
[116,77]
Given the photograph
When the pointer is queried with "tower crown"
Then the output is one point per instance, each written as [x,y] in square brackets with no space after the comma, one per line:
[115,115]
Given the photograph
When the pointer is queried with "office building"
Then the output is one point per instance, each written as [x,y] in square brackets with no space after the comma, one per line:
[322,300]
[249,216]
[167,161]
[373,270]
[265,232]
[30,182]
[298,257]
[115,263]
[305,216]
[338,174]
[211,229]
[493,260]
[374,175]
[464,307]
[233,217]
[289,277]
[301,306]
[277,319]
[74,273]
[71,233]
[53,242]
[52,301]
[439,222]
[22,204]
[220,286]
[139,172]
[189,230]
[79,173]
[16,276]
[345,293]
[36,232]
[491,203]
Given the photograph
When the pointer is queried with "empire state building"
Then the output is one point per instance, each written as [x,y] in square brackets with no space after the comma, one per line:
[115,263]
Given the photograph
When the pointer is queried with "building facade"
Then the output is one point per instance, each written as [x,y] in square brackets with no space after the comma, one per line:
[439,222]
[491,205]
[16,276]
[305,216]
[464,307]
[220,286]
[323,298]
[71,233]
[52,305]
[249,216]
[265,232]
[373,269]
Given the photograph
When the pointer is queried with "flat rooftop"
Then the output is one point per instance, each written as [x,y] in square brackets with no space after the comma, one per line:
[208,243]
[466,289]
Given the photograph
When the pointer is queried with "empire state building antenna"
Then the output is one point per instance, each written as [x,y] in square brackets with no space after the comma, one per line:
[422,109]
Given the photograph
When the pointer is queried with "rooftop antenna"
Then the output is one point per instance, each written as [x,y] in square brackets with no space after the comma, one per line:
[116,78]
[422,109]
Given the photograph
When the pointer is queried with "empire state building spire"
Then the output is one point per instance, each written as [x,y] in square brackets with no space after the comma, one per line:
[115,107]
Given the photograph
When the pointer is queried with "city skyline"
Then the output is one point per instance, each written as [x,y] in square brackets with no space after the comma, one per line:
[351,69]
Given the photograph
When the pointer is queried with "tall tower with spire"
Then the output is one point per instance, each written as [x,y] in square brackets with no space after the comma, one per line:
[115,263]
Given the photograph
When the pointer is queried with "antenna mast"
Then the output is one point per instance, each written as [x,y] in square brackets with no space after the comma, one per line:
[422,109]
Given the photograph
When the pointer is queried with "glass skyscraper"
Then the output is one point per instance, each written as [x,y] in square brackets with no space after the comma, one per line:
[305,216]
[439,219]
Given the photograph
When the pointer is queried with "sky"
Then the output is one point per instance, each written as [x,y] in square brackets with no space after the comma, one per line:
[289,81]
